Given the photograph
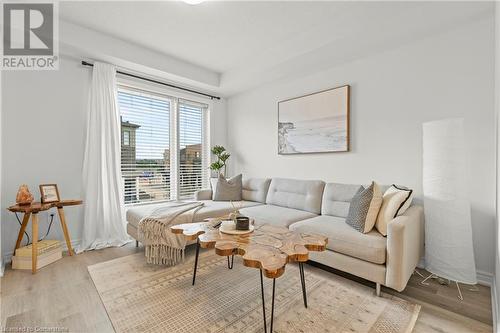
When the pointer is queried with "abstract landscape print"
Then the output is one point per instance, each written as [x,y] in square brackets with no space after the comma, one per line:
[314,123]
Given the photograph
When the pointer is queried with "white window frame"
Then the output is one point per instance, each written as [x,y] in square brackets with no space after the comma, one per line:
[124,83]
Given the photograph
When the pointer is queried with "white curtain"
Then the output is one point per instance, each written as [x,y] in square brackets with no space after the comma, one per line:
[449,251]
[104,222]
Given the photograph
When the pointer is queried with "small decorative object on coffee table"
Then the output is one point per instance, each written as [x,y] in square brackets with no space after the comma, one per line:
[267,248]
[231,228]
[242,223]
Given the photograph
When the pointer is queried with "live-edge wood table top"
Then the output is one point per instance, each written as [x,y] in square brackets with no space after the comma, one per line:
[36,207]
[268,247]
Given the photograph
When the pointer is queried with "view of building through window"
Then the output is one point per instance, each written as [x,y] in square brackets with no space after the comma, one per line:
[146,153]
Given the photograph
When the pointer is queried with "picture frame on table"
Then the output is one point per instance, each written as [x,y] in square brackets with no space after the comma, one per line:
[49,193]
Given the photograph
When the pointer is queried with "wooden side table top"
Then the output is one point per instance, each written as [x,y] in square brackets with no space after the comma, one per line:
[268,247]
[36,207]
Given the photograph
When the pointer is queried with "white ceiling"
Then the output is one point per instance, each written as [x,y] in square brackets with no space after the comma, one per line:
[250,43]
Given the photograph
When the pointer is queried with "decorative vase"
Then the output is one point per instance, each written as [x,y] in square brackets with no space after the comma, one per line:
[234,215]
[24,196]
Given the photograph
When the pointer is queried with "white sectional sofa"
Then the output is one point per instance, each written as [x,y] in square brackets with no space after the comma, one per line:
[315,207]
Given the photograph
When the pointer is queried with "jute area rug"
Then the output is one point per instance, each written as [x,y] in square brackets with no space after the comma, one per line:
[144,298]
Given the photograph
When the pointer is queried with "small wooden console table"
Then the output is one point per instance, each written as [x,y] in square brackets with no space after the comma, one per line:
[32,210]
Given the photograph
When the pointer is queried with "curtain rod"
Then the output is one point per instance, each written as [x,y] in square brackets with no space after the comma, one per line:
[84,63]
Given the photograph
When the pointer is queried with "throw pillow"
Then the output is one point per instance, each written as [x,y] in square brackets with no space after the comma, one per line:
[408,201]
[364,208]
[395,202]
[228,189]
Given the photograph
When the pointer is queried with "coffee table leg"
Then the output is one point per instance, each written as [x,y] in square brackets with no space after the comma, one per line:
[230,266]
[263,301]
[303,282]
[196,259]
[272,306]
[264,304]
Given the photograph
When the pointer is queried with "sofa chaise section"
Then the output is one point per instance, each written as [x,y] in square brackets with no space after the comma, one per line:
[210,209]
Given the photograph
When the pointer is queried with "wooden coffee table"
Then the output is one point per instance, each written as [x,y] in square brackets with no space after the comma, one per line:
[267,248]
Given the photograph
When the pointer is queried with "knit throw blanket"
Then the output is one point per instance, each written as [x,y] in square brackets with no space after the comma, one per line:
[161,245]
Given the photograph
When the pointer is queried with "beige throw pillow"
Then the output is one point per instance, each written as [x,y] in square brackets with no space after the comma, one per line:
[395,202]
[228,189]
[375,204]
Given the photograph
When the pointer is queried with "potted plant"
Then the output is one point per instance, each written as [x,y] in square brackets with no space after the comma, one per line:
[222,157]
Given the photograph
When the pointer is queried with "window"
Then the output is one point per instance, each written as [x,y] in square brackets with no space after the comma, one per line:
[163,146]
[126,138]
[191,143]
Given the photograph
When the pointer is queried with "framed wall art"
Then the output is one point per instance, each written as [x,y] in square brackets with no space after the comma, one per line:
[314,123]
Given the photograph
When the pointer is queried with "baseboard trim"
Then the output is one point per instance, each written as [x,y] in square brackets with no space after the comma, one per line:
[485,278]
[7,258]
[494,305]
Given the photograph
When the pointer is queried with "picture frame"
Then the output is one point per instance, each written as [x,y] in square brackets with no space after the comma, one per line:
[318,122]
[49,193]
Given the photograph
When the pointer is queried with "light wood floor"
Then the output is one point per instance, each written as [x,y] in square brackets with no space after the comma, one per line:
[63,295]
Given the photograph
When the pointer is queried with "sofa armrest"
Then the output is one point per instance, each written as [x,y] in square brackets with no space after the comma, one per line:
[405,247]
[205,194]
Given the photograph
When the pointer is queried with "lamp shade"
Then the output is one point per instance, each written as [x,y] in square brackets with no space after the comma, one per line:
[449,251]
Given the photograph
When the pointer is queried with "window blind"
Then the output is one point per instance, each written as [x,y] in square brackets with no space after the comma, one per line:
[145,146]
[192,163]
[164,146]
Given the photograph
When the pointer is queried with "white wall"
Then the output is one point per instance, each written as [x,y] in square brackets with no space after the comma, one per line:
[43,132]
[496,283]
[1,257]
[447,75]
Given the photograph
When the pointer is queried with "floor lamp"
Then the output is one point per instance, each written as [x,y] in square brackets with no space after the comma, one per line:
[449,251]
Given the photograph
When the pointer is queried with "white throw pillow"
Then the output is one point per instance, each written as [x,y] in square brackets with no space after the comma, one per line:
[396,201]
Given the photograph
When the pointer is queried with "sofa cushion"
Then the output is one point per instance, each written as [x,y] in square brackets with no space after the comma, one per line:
[344,239]
[210,209]
[337,198]
[298,194]
[255,189]
[275,215]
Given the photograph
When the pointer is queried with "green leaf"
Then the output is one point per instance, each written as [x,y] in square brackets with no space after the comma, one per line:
[224,156]
[217,150]
[216,166]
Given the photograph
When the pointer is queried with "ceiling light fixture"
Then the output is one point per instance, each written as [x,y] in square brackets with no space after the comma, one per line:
[193,2]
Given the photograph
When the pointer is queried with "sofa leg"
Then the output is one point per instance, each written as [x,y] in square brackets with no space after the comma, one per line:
[377,289]
[136,243]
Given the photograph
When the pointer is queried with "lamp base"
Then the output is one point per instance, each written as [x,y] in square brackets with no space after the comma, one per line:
[442,281]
